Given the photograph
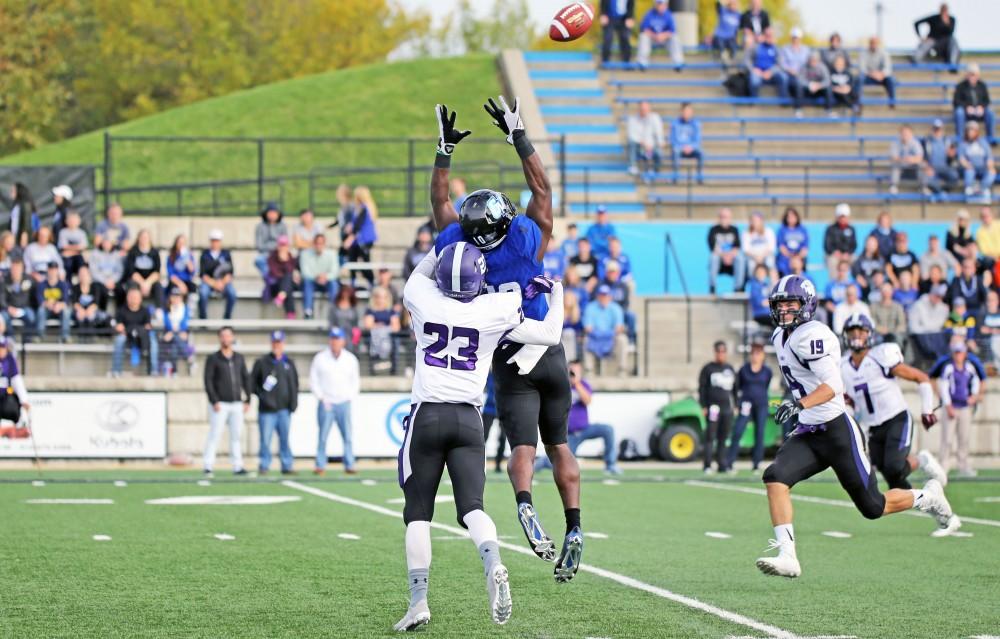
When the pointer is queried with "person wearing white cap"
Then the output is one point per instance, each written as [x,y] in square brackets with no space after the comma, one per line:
[907,157]
[876,68]
[840,241]
[978,167]
[216,270]
[939,160]
[793,58]
[62,197]
[658,30]
[335,381]
[275,381]
[960,389]
[972,103]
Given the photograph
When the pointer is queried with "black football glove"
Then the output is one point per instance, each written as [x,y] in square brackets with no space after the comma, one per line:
[448,137]
[506,119]
[787,411]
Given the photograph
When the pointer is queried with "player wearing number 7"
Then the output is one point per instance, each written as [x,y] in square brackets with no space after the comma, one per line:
[824,434]
[457,330]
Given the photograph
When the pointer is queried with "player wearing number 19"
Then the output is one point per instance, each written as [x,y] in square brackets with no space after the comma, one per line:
[532,382]
[457,331]
[824,434]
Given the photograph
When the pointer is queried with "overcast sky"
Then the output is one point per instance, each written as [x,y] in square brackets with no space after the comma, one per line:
[978,20]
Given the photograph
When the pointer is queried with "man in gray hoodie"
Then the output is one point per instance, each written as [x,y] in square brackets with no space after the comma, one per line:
[813,82]
[266,235]
[876,68]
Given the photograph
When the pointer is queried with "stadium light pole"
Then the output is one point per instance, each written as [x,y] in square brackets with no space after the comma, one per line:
[879,12]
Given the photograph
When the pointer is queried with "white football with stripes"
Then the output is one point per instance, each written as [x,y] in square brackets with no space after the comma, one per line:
[571,22]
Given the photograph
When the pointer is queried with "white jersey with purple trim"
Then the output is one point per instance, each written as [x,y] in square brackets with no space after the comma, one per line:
[871,385]
[808,357]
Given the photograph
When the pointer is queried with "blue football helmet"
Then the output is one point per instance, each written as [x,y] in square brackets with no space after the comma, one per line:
[792,288]
[863,322]
[461,271]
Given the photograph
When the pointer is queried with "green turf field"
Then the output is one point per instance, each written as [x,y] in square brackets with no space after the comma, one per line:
[288,573]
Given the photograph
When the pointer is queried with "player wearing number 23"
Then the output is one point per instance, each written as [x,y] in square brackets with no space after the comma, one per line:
[457,330]
[823,435]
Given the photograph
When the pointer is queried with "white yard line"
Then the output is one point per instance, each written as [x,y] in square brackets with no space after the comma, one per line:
[690,602]
[85,502]
[823,500]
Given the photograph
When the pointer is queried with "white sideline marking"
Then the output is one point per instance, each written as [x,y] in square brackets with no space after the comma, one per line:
[223,500]
[463,537]
[984,637]
[819,637]
[836,534]
[204,482]
[439,499]
[38,483]
[595,535]
[101,538]
[87,502]
[368,482]
[350,536]
[987,500]
[611,482]
[823,500]
[120,484]
[717,535]
[224,537]
[624,580]
[961,533]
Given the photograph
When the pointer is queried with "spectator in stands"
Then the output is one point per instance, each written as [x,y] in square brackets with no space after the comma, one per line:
[572,282]
[961,324]
[113,227]
[90,301]
[874,295]
[384,279]
[40,253]
[988,238]
[572,324]
[319,268]
[840,241]
[645,140]
[283,277]
[968,285]
[619,290]
[907,157]
[344,314]
[617,18]
[754,22]
[793,240]
[885,234]
[616,255]
[604,326]
[902,259]
[72,242]
[960,389]
[176,338]
[752,383]
[978,168]
[926,319]
[459,192]
[17,298]
[958,240]
[760,289]
[554,262]
[227,385]
[345,215]
[362,235]
[421,247]
[836,288]
[586,265]
[600,233]
[813,81]
[52,299]
[726,255]
[216,269]
[727,28]
[62,200]
[875,67]
[275,381]
[382,322]
[762,66]
[888,315]
[935,275]
[658,30]
[716,394]
[266,235]
[940,38]
[759,245]
[181,268]
[107,265]
[972,103]
[934,256]
[335,381]
[907,293]
[8,251]
[852,304]
[134,329]
[685,141]
[842,85]
[940,158]
[989,330]
[142,268]
[793,59]
[834,52]
[797,266]
[569,247]
[23,214]
[305,230]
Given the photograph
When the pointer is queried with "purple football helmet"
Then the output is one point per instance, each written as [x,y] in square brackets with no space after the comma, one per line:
[461,271]
[790,288]
[862,321]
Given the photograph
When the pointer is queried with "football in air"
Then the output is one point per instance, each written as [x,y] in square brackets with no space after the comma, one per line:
[571,22]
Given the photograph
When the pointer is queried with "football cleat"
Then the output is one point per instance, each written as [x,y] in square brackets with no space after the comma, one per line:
[784,565]
[930,465]
[935,503]
[498,588]
[416,616]
[569,558]
[541,544]
[949,527]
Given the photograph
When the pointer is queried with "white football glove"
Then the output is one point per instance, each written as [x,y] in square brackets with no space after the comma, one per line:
[506,119]
[448,137]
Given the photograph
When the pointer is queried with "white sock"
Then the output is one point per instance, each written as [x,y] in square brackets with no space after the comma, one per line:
[481,527]
[418,545]
[785,533]
[919,503]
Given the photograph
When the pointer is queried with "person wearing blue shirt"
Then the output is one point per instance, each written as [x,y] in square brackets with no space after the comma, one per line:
[617,17]
[604,325]
[752,383]
[600,233]
[362,234]
[793,240]
[793,58]
[836,288]
[181,268]
[760,290]
[658,30]
[939,159]
[727,29]
[762,66]
[569,248]
[976,160]
[615,255]
[685,140]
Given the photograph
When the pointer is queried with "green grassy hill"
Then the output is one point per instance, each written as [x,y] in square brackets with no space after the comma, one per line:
[377,101]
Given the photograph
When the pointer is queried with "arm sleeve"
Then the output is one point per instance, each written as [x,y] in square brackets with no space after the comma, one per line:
[703,386]
[314,378]
[827,369]
[944,391]
[926,392]
[17,383]
[548,332]
[245,377]
[916,25]
[976,385]
[213,397]
[255,373]
[294,390]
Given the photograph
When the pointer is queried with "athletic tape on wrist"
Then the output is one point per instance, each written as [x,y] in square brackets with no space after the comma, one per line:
[522,144]
[442,161]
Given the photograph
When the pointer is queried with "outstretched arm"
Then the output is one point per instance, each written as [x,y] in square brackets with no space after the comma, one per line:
[448,138]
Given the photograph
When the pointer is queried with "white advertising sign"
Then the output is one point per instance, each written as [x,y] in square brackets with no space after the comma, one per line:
[91,425]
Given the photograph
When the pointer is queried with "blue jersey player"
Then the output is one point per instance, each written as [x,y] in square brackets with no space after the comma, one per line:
[532,382]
